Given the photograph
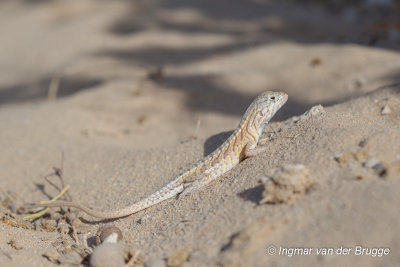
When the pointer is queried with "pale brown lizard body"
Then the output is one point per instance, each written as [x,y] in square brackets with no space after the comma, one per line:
[240,145]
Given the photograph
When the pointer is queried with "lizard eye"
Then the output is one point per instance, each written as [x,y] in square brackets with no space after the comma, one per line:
[272,98]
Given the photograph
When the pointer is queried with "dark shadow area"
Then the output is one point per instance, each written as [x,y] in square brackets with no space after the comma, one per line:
[39,90]
[218,17]
[36,1]
[160,56]
[91,241]
[249,24]
[96,221]
[301,21]
[230,243]
[203,93]
[395,76]
[226,9]
[253,194]
[394,87]
[215,141]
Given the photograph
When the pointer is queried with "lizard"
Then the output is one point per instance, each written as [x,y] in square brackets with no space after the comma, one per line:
[241,144]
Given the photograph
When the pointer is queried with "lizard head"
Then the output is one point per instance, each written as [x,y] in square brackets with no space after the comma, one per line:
[266,105]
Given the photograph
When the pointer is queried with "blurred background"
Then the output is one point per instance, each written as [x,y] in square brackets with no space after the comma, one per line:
[209,51]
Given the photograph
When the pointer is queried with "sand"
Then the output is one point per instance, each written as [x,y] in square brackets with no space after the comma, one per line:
[132,93]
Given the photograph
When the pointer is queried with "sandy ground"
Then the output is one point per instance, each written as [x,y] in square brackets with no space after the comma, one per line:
[135,92]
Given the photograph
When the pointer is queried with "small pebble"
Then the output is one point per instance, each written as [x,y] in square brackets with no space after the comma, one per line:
[108,252]
[386,110]
[109,234]
[315,110]
[363,143]
[377,166]
[380,169]
[371,162]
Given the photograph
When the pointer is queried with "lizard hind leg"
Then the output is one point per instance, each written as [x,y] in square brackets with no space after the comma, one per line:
[187,189]
[251,150]
[191,184]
